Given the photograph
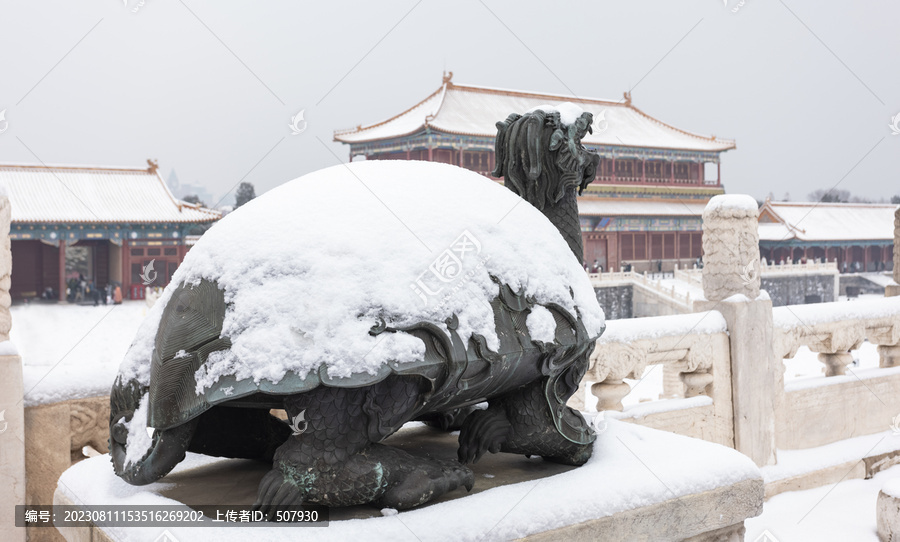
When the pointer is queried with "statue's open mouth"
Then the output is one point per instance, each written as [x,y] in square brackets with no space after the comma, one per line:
[166,450]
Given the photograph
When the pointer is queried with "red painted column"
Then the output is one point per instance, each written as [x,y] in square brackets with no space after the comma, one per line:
[700,178]
[718,173]
[126,269]
[614,168]
[643,171]
[62,270]
[461,157]
[672,172]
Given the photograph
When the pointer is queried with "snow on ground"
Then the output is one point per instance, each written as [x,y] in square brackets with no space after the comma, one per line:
[881,279]
[631,467]
[840,512]
[797,462]
[682,288]
[72,351]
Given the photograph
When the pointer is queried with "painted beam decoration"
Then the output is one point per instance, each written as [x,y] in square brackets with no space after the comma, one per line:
[137,234]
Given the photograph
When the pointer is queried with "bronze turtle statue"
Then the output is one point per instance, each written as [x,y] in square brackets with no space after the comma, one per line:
[355,330]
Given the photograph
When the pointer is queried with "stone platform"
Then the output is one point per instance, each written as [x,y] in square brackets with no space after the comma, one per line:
[641,484]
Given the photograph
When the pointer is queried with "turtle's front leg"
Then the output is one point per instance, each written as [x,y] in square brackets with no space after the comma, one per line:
[332,459]
[378,474]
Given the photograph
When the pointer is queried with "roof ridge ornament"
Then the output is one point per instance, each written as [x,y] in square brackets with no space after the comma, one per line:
[448,76]
[627,96]
[153,165]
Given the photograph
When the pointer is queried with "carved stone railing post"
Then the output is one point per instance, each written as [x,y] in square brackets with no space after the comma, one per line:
[888,340]
[894,289]
[612,364]
[12,422]
[610,393]
[836,363]
[673,386]
[731,285]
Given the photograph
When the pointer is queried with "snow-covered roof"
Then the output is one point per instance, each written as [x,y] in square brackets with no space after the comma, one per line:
[811,221]
[612,207]
[473,110]
[95,195]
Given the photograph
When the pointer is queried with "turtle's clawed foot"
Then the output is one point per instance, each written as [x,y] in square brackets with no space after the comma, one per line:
[425,481]
[276,493]
[483,431]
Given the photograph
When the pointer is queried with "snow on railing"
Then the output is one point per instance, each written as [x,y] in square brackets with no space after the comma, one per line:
[834,329]
[847,401]
[810,266]
[693,352]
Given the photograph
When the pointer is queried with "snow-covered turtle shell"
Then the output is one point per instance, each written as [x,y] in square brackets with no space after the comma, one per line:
[290,291]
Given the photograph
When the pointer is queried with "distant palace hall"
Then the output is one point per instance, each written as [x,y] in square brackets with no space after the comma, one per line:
[858,236]
[119,220]
[645,203]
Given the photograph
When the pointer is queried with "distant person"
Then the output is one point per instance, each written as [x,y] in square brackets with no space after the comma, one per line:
[117,295]
[95,294]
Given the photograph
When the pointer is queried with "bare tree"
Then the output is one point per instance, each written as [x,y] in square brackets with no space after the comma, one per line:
[829,196]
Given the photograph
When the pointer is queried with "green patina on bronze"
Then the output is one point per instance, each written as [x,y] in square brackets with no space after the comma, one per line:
[337,458]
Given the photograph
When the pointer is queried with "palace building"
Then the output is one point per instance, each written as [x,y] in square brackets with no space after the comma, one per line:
[122,219]
[858,236]
[644,206]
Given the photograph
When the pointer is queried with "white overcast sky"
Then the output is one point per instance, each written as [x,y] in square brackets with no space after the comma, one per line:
[806,88]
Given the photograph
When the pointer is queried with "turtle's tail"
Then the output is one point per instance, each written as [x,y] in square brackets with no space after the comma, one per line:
[166,450]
